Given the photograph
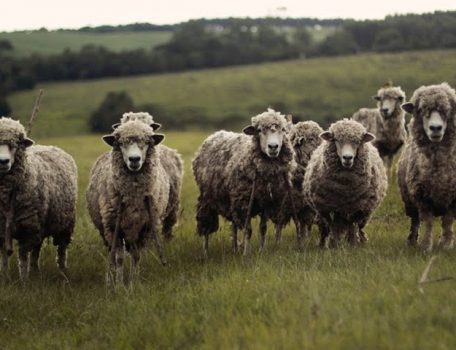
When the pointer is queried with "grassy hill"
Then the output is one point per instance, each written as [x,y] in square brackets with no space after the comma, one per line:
[351,298]
[321,89]
[55,42]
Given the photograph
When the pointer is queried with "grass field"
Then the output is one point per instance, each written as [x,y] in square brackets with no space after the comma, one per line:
[363,298]
[47,43]
[321,89]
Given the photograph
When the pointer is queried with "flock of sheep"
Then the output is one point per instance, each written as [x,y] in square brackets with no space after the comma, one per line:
[275,169]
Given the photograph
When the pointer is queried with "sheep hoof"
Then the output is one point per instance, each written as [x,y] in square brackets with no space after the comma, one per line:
[412,240]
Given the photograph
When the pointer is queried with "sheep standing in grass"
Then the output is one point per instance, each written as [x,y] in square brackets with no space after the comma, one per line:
[386,122]
[304,138]
[345,181]
[427,166]
[38,189]
[243,175]
[130,193]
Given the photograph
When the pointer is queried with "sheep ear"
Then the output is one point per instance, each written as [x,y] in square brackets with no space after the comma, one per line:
[27,142]
[408,107]
[327,136]
[155,126]
[249,130]
[115,126]
[368,137]
[376,98]
[158,138]
[109,139]
[289,118]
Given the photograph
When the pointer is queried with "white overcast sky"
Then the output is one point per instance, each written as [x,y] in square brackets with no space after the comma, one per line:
[52,14]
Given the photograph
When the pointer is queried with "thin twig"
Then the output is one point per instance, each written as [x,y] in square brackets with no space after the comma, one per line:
[35,110]
[442,279]
[424,276]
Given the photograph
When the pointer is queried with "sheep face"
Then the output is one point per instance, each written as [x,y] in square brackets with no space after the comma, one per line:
[348,136]
[8,151]
[271,129]
[435,125]
[135,140]
[389,100]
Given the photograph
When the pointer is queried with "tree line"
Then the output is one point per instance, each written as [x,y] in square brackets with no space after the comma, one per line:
[224,42]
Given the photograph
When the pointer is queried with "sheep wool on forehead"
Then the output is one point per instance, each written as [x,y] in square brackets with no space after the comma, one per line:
[391,92]
[141,116]
[347,130]
[269,119]
[434,97]
[133,130]
[10,130]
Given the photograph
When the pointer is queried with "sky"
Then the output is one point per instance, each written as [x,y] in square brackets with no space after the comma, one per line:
[54,14]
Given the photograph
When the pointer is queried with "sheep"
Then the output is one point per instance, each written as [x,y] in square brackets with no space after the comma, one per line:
[134,189]
[428,163]
[386,122]
[141,116]
[38,189]
[345,181]
[240,176]
[304,137]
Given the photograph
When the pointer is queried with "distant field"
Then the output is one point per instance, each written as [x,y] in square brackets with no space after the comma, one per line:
[321,89]
[363,298]
[47,43]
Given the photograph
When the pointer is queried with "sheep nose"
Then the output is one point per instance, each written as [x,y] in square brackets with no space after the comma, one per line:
[347,157]
[273,146]
[4,161]
[134,159]
[384,110]
[435,128]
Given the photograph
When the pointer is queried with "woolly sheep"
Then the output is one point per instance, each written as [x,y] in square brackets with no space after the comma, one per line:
[240,176]
[427,166]
[304,138]
[133,190]
[386,122]
[38,189]
[345,181]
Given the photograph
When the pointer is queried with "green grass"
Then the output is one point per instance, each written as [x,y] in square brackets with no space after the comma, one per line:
[321,89]
[363,298]
[47,43]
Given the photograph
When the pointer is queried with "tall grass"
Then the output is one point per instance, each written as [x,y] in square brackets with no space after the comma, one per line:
[362,298]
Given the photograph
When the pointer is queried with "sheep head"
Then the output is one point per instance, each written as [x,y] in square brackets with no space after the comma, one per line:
[13,141]
[348,136]
[389,100]
[270,130]
[135,140]
[434,110]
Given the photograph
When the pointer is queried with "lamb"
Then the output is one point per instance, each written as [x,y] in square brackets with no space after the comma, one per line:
[38,189]
[428,163]
[345,181]
[133,190]
[386,122]
[141,116]
[304,138]
[240,176]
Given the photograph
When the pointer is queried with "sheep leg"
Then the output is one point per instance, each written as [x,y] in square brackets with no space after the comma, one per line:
[153,217]
[278,233]
[120,250]
[248,221]
[427,219]
[324,228]
[23,262]
[62,257]
[263,230]
[336,232]
[352,235]
[4,263]
[9,215]
[34,258]
[447,239]
[234,241]
[206,244]
[247,237]
[414,228]
[134,266]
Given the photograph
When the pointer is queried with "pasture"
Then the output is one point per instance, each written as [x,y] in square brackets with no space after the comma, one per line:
[54,42]
[323,89]
[358,298]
